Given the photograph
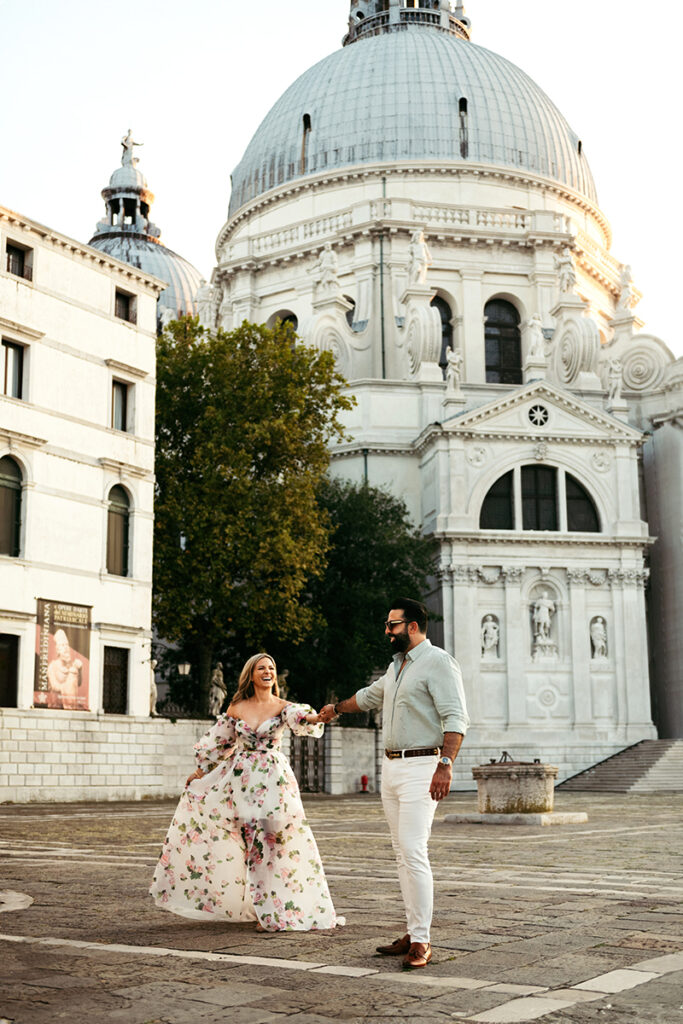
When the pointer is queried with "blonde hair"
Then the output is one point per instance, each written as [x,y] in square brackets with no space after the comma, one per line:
[245,685]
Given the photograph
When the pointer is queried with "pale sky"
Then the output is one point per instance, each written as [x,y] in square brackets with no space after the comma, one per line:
[193,81]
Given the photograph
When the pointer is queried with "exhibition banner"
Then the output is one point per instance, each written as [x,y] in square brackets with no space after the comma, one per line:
[62,675]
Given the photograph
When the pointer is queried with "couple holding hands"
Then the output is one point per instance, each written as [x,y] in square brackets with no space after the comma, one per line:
[239,847]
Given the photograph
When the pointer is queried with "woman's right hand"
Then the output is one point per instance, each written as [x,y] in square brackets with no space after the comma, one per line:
[195,775]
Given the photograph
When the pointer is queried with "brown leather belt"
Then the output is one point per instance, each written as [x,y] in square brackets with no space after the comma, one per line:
[420,752]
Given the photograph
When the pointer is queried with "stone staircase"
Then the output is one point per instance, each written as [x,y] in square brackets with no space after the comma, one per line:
[651,766]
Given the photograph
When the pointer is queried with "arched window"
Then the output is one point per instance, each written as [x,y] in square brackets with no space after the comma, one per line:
[503,343]
[538,490]
[582,515]
[497,512]
[307,128]
[118,529]
[10,507]
[350,313]
[446,328]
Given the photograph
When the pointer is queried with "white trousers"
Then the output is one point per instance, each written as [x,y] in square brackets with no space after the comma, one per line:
[409,810]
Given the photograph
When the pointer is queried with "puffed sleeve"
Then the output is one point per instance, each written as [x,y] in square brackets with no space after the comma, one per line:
[216,744]
[294,717]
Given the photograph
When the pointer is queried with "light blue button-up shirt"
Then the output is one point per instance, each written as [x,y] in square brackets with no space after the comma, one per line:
[421,703]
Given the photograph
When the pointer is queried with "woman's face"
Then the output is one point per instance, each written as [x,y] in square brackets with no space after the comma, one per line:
[263,674]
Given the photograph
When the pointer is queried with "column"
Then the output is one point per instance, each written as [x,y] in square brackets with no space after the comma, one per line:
[466,635]
[473,327]
[516,646]
[582,697]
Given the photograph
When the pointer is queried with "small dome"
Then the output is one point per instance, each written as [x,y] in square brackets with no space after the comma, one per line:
[128,234]
[410,95]
[154,258]
[127,177]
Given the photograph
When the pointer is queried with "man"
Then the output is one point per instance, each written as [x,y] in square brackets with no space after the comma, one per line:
[424,722]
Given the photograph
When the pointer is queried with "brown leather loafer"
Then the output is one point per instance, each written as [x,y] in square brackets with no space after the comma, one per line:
[398,948]
[419,955]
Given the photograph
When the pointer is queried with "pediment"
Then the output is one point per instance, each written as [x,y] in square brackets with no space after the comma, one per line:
[542,410]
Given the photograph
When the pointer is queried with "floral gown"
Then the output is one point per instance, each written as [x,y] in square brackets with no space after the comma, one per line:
[239,847]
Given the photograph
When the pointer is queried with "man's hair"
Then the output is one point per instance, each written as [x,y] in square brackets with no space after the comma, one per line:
[414,611]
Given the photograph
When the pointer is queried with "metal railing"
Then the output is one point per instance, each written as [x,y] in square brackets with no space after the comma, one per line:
[17,265]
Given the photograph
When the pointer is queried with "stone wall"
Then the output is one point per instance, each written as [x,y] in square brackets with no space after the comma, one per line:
[72,755]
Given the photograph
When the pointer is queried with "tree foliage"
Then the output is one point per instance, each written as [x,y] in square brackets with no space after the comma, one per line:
[375,555]
[244,421]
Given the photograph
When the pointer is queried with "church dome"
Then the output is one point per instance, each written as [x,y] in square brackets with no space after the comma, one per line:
[129,235]
[416,93]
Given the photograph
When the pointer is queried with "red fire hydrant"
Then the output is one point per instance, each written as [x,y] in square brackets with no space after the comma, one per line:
[364,783]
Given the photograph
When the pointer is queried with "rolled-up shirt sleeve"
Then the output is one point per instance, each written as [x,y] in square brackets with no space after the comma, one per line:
[372,696]
[448,693]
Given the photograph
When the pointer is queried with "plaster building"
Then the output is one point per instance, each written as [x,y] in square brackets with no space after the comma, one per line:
[128,234]
[78,331]
[418,206]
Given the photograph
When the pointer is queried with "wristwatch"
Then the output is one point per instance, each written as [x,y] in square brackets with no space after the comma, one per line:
[446,760]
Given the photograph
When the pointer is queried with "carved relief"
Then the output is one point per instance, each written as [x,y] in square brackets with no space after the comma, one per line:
[602,461]
[643,366]
[477,456]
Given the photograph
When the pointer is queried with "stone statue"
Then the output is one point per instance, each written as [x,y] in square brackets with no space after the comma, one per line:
[420,258]
[165,316]
[153,689]
[536,339]
[454,359]
[218,691]
[127,158]
[325,273]
[598,638]
[205,304]
[566,271]
[615,380]
[543,610]
[224,309]
[490,637]
[625,302]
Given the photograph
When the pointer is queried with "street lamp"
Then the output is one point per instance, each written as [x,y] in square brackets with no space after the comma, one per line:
[184,668]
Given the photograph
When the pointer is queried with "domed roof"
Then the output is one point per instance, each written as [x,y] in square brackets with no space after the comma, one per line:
[129,235]
[154,258]
[127,176]
[396,97]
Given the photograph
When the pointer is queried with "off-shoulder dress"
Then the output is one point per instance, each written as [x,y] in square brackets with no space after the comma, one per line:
[239,847]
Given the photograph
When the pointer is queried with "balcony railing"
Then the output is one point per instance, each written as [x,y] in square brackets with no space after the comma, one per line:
[378,23]
[17,265]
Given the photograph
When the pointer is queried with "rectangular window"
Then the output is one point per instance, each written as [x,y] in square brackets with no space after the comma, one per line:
[124,307]
[20,261]
[119,405]
[12,369]
[539,498]
[115,681]
[9,664]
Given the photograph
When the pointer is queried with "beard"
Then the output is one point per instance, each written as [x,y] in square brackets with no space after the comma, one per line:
[399,643]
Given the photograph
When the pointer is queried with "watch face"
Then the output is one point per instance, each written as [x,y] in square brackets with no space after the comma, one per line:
[446,760]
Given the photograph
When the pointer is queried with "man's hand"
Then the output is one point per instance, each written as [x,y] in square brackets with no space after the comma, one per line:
[441,782]
[327,714]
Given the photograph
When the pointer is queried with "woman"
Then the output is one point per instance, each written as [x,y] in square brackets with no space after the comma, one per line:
[239,847]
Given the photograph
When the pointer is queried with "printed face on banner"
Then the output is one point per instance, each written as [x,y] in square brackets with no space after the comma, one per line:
[62,676]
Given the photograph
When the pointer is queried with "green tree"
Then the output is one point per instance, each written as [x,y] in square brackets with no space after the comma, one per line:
[244,421]
[375,555]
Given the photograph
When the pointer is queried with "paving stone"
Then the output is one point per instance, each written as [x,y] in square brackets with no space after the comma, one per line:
[617,981]
[530,1008]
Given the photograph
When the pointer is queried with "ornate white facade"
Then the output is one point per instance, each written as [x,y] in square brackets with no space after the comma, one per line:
[396,190]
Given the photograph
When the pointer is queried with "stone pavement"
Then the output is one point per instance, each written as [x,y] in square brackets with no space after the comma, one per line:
[580,923]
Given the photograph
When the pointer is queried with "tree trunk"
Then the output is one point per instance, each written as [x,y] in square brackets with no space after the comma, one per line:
[205,660]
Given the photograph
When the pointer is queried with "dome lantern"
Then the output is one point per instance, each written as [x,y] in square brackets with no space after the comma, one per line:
[376,17]
[128,234]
